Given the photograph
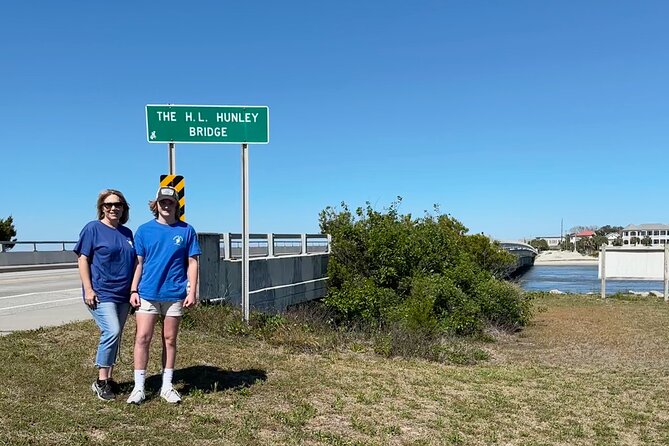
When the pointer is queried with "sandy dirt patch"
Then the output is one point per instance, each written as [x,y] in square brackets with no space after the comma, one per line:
[567,258]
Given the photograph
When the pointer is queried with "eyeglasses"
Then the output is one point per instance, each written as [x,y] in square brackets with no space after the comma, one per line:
[166,202]
[118,204]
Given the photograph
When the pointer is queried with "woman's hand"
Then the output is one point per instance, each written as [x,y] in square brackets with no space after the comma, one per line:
[91,299]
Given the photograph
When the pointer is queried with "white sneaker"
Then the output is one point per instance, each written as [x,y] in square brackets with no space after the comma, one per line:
[136,397]
[170,395]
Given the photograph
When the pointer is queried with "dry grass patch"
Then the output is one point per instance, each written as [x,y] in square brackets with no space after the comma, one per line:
[585,372]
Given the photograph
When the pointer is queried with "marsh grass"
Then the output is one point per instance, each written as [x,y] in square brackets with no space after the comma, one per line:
[584,372]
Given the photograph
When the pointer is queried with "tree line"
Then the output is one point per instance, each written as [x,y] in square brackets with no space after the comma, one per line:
[590,245]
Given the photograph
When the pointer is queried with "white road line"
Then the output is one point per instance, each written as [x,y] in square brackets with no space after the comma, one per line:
[40,303]
[41,292]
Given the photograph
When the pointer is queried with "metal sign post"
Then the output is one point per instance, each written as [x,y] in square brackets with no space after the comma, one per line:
[171,158]
[245,231]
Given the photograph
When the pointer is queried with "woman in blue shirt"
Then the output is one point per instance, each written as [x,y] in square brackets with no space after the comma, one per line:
[106,260]
[164,283]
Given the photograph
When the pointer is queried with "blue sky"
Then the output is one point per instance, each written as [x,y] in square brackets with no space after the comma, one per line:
[511,115]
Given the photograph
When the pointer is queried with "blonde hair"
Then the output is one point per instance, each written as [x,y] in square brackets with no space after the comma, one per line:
[103,196]
[153,207]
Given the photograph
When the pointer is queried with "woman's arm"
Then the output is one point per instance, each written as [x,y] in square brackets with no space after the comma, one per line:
[85,273]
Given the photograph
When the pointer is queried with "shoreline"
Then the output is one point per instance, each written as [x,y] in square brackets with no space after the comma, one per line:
[564,258]
[593,262]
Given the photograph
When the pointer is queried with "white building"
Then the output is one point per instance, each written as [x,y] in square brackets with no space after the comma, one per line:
[612,237]
[658,233]
[553,241]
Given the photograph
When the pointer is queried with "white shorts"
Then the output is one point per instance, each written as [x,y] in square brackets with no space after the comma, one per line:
[163,308]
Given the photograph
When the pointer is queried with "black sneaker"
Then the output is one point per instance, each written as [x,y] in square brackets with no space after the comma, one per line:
[103,390]
[115,387]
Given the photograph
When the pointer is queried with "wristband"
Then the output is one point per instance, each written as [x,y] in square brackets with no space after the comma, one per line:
[133,292]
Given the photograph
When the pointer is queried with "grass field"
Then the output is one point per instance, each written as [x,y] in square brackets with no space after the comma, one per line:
[585,372]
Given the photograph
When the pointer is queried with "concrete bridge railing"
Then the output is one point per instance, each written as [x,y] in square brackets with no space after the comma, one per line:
[285,269]
[25,253]
[285,275]
[28,253]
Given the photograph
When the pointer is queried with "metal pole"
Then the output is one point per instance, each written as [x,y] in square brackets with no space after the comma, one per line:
[270,245]
[666,272]
[245,231]
[602,270]
[171,158]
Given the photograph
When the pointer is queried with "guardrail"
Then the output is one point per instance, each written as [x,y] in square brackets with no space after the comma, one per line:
[284,269]
[31,246]
[57,252]
[274,245]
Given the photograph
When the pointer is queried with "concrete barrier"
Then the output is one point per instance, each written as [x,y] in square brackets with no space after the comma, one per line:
[38,258]
[275,283]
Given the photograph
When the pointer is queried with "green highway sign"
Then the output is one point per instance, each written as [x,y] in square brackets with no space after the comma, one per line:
[207,124]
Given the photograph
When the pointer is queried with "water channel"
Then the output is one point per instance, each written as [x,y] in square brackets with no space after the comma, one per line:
[580,279]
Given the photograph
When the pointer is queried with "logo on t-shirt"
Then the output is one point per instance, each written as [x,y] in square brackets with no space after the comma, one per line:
[178,240]
[130,243]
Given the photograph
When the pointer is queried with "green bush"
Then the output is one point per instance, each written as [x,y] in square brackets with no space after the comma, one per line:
[539,243]
[504,304]
[425,274]
[452,310]
[362,299]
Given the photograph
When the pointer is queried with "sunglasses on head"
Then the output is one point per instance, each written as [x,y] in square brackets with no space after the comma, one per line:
[118,204]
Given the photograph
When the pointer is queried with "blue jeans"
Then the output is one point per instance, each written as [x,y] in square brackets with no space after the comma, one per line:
[110,317]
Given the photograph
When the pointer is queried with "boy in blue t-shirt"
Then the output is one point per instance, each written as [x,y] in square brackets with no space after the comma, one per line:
[164,283]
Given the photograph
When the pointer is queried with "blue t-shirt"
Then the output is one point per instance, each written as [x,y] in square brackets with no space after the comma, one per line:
[165,250]
[111,256]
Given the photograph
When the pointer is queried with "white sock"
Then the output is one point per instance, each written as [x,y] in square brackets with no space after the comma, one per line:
[167,378]
[139,379]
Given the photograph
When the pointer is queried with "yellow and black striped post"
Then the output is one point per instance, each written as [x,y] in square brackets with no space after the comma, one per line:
[179,184]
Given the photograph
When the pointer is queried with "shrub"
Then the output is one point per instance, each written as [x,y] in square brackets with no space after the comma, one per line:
[539,243]
[452,309]
[425,273]
[362,299]
[504,304]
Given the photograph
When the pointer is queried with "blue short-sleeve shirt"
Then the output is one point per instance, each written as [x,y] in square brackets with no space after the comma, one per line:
[111,255]
[165,250]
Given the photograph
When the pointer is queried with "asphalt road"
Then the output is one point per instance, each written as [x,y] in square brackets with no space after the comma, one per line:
[39,298]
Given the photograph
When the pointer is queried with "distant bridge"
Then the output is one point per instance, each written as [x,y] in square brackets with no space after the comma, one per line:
[525,255]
